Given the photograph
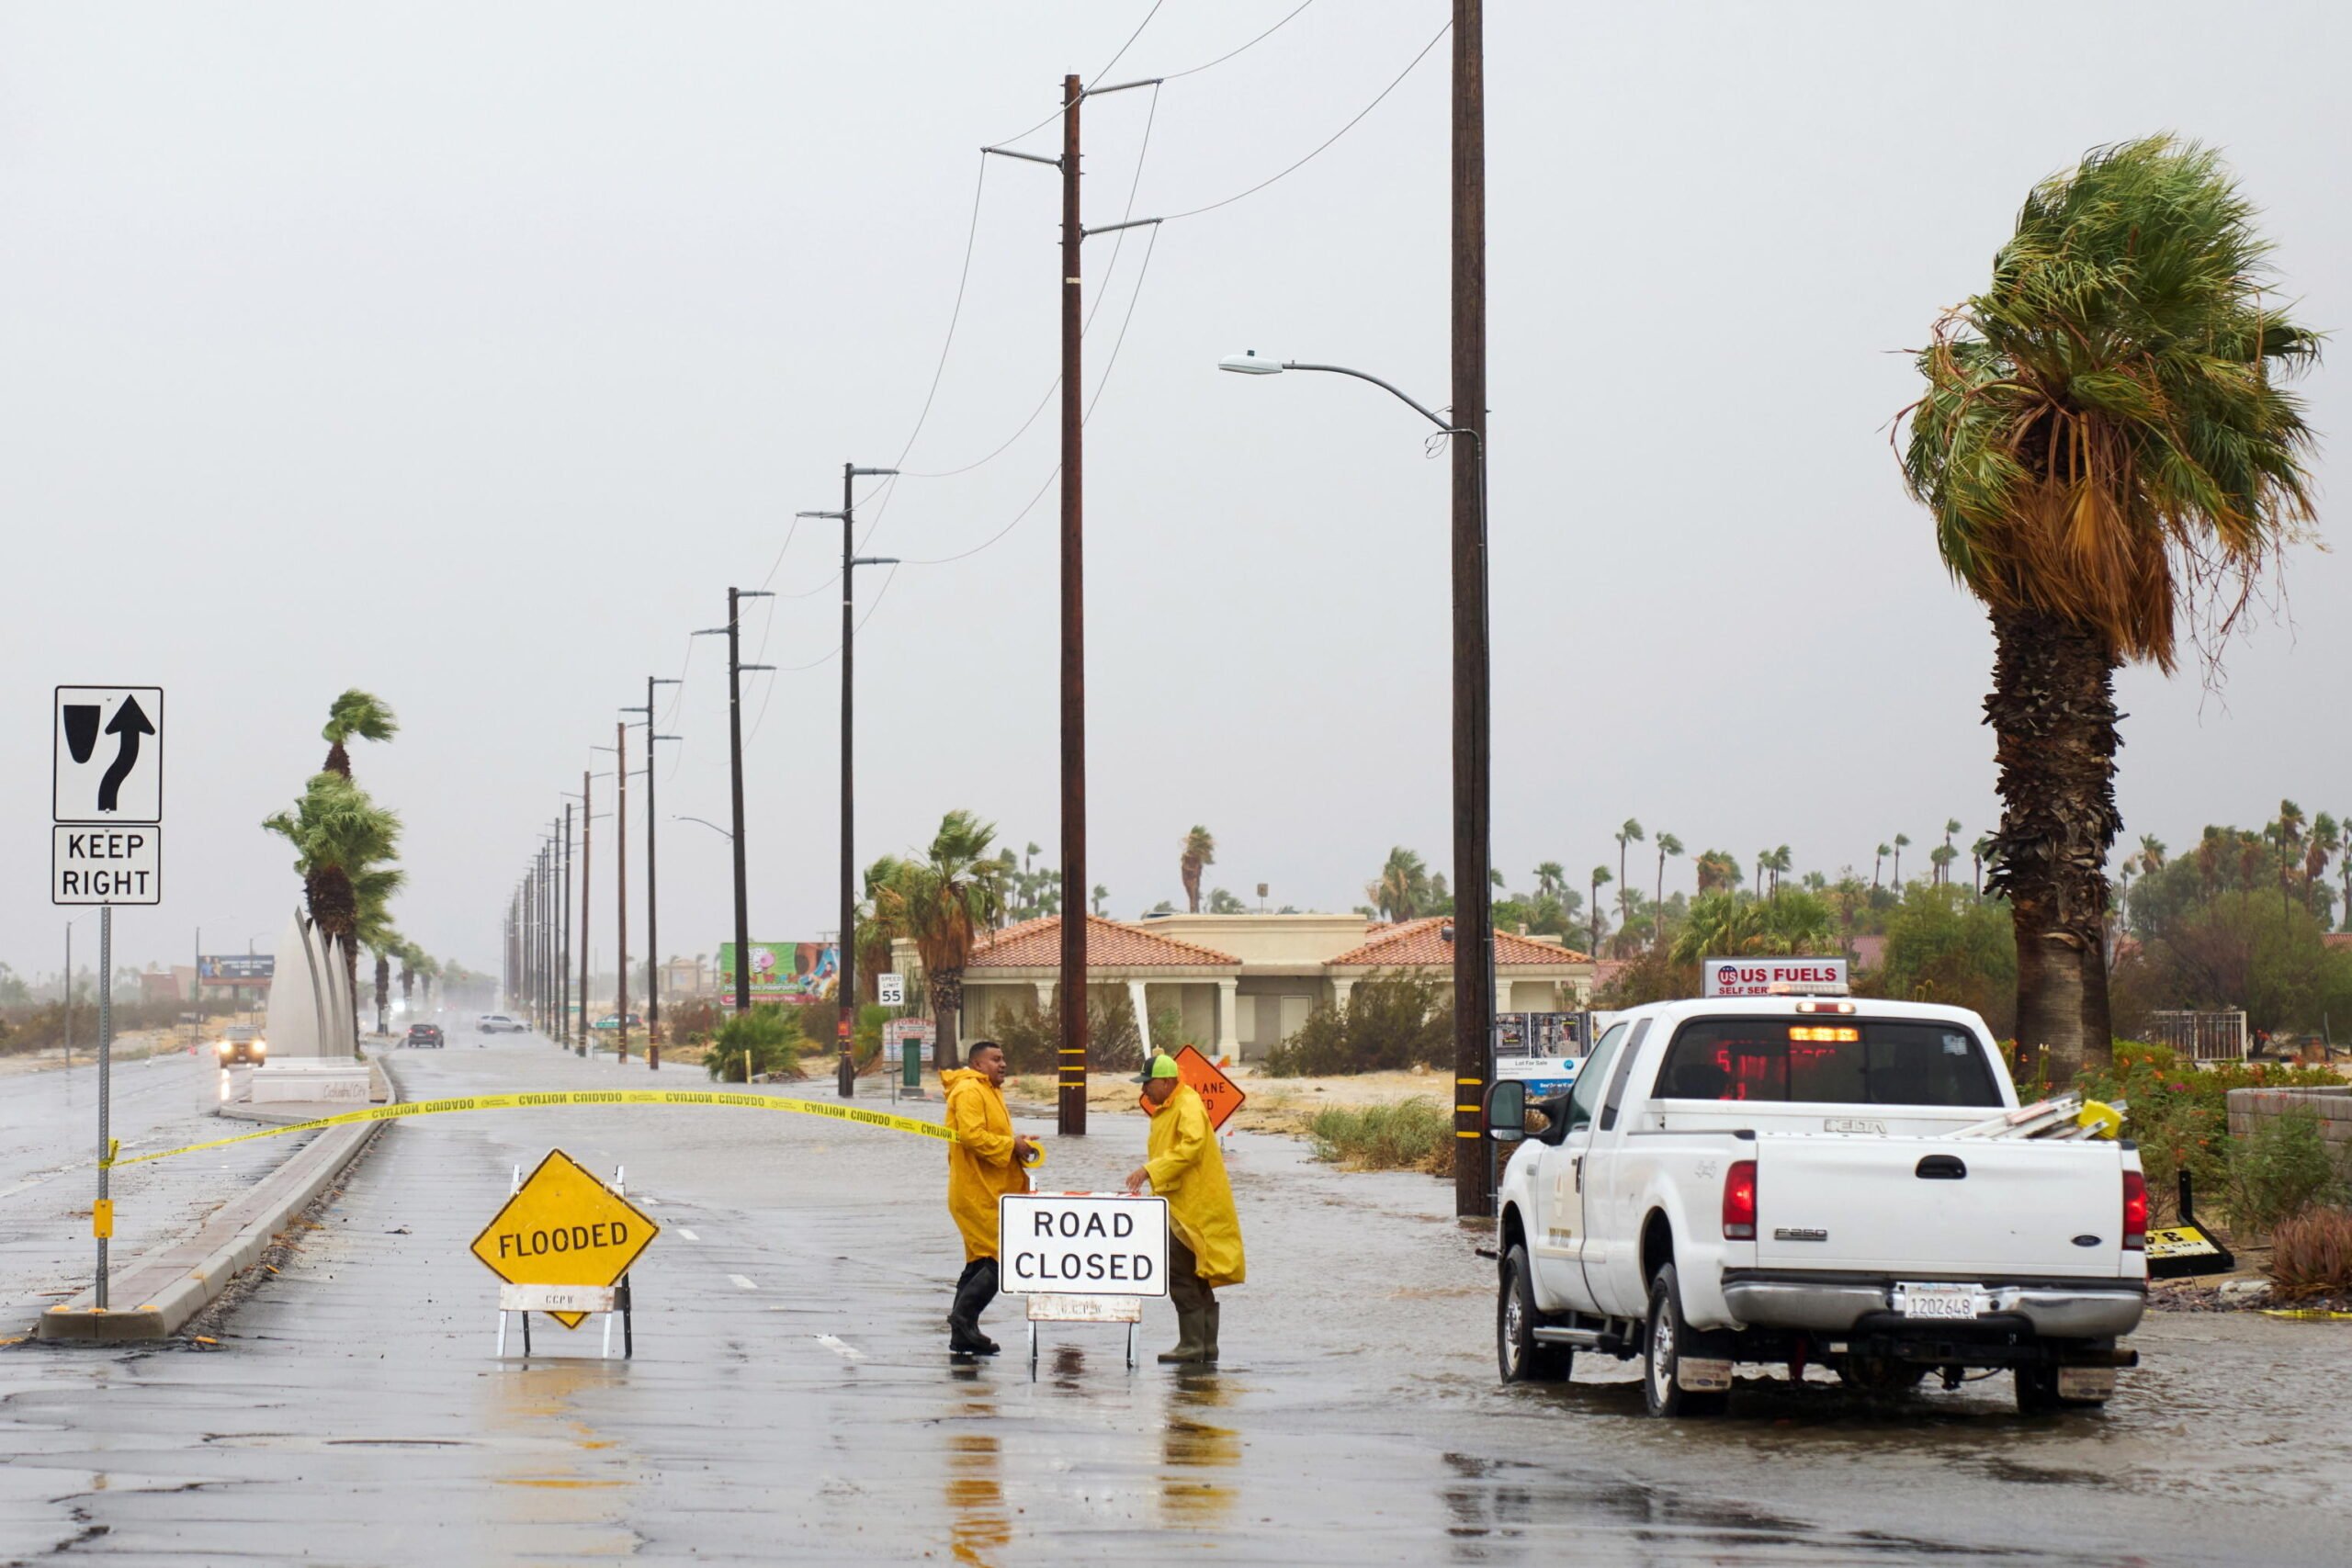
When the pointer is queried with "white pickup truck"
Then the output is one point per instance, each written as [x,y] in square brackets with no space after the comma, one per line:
[1811,1180]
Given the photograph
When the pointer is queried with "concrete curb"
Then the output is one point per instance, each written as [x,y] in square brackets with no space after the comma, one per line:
[175,1282]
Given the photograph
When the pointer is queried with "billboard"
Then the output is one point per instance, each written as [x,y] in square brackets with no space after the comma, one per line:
[783,971]
[1772,976]
[236,969]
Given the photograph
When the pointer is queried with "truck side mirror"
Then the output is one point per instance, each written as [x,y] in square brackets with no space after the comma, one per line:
[1504,1114]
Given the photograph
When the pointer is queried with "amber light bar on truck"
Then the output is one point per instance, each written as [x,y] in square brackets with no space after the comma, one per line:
[1823,1033]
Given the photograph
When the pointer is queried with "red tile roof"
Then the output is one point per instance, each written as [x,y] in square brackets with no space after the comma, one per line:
[1421,944]
[1037,944]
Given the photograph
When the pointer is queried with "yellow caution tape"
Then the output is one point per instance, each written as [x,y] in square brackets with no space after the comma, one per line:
[537,1101]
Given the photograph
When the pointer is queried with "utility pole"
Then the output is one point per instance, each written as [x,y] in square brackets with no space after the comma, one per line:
[1473,934]
[652,928]
[735,667]
[620,880]
[69,994]
[587,818]
[845,943]
[1071,1121]
[564,947]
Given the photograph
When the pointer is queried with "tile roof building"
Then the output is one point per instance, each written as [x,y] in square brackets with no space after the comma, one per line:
[1245,983]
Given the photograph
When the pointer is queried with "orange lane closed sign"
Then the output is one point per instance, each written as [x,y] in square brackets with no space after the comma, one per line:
[1220,1096]
[563,1226]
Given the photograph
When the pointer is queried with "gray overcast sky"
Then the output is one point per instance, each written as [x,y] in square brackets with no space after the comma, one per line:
[466,352]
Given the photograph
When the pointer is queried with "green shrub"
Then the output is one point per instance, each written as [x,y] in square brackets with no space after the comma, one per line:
[1412,1134]
[765,1040]
[2311,1253]
[1033,1041]
[2177,1111]
[1392,1020]
[2283,1169]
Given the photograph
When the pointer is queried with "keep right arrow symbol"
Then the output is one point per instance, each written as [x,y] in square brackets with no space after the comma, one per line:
[130,723]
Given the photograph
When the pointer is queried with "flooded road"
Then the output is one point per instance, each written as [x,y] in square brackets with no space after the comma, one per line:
[791,1400]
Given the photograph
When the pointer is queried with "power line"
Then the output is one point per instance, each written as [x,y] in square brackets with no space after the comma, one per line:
[1134,182]
[1228,54]
[1148,16]
[1211,207]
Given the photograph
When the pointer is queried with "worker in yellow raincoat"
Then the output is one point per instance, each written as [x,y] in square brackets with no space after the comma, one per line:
[984,1162]
[1204,1234]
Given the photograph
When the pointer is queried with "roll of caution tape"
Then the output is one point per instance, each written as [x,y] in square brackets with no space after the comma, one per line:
[1034,1157]
[548,1101]
[2100,1119]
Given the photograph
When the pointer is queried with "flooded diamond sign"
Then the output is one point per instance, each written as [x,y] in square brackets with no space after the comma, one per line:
[563,1226]
[1082,1244]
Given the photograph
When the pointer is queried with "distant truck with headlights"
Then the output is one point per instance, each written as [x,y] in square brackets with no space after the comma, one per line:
[240,1042]
[1813,1180]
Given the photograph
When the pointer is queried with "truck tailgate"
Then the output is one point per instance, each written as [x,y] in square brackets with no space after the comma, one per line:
[1944,1208]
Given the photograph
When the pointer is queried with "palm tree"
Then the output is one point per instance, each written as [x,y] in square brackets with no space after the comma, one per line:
[355,715]
[1631,833]
[1778,866]
[1951,826]
[881,923]
[1600,879]
[1763,864]
[343,844]
[2286,835]
[1551,880]
[1667,844]
[945,899]
[2326,841]
[1979,852]
[1199,851]
[2107,450]
[1102,897]
[1403,888]
[1940,859]
[1883,851]
[1717,872]
[1902,842]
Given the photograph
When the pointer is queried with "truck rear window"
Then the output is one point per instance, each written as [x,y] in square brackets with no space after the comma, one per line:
[1834,1060]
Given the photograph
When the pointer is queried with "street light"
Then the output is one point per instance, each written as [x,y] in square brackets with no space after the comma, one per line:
[1474,948]
[846,944]
[706,822]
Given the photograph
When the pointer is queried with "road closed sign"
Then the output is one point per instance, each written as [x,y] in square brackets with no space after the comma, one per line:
[1082,1243]
[563,1226]
[1772,976]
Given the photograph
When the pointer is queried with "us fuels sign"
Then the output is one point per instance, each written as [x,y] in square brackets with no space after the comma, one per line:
[106,795]
[563,1226]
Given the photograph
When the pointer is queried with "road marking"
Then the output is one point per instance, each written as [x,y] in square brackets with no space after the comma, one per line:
[845,1351]
[687,1234]
[742,1283]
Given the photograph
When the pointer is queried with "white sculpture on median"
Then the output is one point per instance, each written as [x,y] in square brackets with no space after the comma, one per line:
[313,1042]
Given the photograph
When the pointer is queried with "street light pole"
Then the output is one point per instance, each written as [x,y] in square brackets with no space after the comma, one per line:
[587,820]
[735,667]
[845,942]
[1473,939]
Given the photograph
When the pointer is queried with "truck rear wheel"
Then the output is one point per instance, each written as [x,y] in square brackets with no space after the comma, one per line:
[1520,1356]
[1667,1342]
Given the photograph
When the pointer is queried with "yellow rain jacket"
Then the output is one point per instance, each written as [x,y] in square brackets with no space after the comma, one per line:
[1186,1168]
[981,1166]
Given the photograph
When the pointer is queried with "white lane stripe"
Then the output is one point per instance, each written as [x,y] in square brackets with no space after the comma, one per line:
[742,1283]
[846,1352]
[687,1234]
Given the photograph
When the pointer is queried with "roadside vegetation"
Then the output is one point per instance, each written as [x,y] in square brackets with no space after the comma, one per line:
[766,1041]
[1392,1020]
[1411,1134]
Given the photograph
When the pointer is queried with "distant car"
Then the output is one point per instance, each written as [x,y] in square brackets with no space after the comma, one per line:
[612,1020]
[421,1036]
[499,1024]
[240,1042]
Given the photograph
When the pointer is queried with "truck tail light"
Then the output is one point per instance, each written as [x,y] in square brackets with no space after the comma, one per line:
[2135,1212]
[1739,1202]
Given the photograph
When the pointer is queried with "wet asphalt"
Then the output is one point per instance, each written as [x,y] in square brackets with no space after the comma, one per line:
[791,1399]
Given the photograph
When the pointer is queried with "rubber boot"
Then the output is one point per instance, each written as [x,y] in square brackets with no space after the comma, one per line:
[1189,1334]
[1209,1315]
[973,1294]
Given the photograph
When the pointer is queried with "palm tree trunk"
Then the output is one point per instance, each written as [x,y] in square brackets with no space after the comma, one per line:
[2052,707]
[383,993]
[946,986]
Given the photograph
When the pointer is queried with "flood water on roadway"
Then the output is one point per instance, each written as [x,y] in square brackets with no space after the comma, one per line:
[791,1400]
